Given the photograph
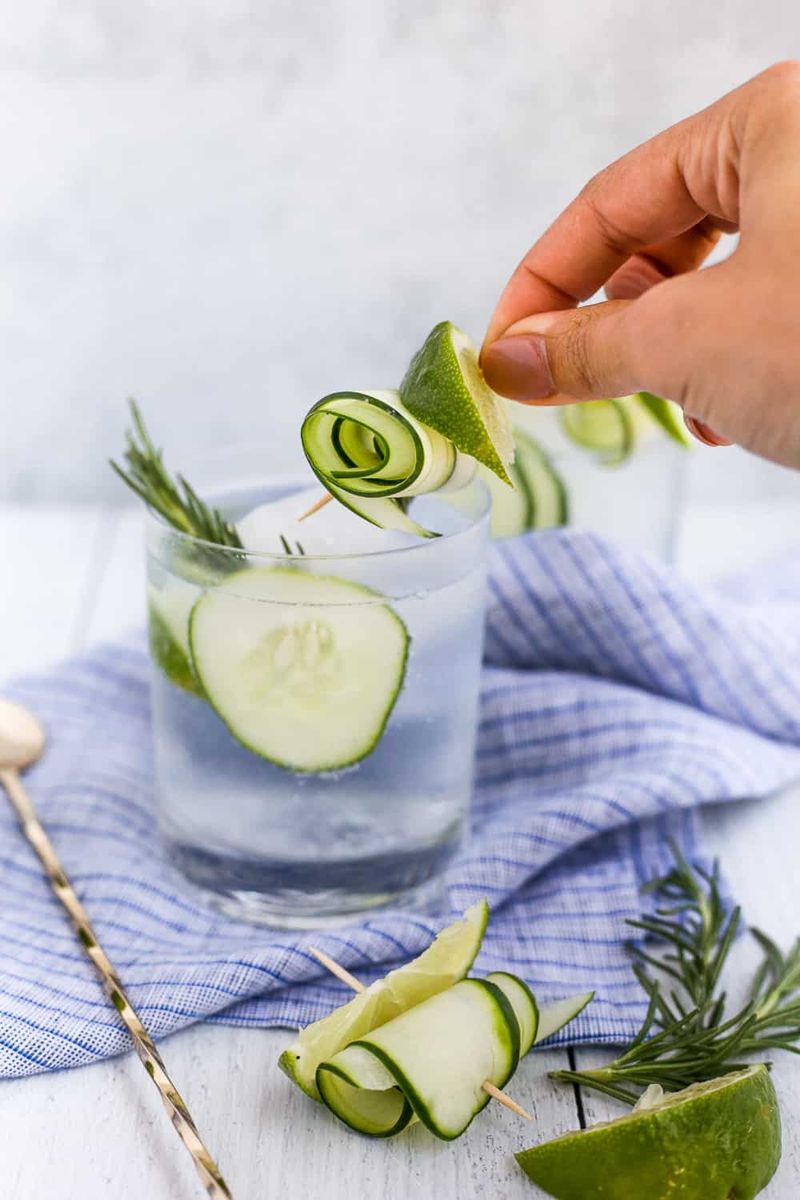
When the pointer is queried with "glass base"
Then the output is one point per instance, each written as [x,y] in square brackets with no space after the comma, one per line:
[313,895]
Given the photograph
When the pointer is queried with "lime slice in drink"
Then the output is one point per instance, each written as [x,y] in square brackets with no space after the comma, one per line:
[719,1140]
[603,426]
[445,962]
[444,388]
[666,414]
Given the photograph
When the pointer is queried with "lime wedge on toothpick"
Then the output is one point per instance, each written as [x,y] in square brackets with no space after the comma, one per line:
[444,388]
[717,1140]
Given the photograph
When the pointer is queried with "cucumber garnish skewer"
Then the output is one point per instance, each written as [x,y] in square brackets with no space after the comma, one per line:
[375,450]
[446,961]
[369,452]
[417,1065]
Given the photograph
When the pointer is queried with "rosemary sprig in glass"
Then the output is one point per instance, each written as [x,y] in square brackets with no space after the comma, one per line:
[686,1037]
[174,497]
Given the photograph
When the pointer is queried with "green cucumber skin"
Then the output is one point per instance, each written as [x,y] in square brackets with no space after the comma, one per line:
[529,451]
[505,1014]
[520,983]
[406,1113]
[370,493]
[170,657]
[390,704]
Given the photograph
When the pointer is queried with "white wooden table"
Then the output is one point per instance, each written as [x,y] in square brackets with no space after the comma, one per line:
[69,577]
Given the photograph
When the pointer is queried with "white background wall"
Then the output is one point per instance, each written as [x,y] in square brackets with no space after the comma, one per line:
[228,209]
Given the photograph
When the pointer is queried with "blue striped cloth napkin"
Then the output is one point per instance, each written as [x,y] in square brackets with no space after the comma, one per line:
[616,699]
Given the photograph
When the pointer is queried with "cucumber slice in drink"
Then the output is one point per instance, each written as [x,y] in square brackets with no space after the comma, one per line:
[549,504]
[512,507]
[445,962]
[604,426]
[555,1016]
[303,669]
[370,453]
[438,1053]
[523,1002]
[444,388]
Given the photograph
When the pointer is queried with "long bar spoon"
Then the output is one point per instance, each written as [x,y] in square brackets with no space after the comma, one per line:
[22,742]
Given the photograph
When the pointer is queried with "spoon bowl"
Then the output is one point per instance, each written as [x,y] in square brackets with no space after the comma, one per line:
[22,736]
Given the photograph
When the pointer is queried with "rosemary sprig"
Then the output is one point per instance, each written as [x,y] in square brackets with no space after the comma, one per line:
[686,1036]
[174,498]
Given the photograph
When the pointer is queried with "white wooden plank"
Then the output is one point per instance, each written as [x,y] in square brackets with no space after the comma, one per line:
[270,1139]
[45,554]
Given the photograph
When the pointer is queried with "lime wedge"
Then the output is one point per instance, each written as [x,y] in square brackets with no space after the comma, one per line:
[604,426]
[717,1140]
[445,389]
[665,414]
[445,962]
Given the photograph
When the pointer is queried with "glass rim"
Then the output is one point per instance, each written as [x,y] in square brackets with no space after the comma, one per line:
[419,546]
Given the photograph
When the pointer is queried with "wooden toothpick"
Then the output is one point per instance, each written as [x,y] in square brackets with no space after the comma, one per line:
[316,506]
[342,973]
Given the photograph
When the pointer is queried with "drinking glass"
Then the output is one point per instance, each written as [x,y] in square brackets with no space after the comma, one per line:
[266,668]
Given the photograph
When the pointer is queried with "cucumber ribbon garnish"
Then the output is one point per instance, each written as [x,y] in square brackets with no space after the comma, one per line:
[371,454]
[425,1042]
[375,450]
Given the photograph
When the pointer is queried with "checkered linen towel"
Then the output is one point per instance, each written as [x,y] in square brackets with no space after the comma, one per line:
[616,700]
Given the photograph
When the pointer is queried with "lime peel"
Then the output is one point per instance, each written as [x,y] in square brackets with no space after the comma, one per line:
[716,1140]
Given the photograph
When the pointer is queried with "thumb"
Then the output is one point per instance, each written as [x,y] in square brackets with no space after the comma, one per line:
[586,353]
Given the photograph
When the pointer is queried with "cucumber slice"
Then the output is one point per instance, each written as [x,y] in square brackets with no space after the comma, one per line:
[523,1001]
[359,1089]
[512,507]
[549,506]
[445,962]
[439,1053]
[665,414]
[369,451]
[604,426]
[303,669]
[555,1016]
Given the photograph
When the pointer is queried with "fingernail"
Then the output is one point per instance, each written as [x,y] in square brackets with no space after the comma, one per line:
[517,367]
[704,433]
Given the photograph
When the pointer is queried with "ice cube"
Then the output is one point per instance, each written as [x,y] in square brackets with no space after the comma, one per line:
[332,530]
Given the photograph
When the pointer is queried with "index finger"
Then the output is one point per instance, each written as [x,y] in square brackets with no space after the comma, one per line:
[653,194]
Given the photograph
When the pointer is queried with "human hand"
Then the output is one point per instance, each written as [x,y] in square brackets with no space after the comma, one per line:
[724,342]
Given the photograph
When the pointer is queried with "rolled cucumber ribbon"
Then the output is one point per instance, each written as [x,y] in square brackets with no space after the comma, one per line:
[371,454]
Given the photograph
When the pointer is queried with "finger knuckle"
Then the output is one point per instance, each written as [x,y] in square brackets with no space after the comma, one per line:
[576,356]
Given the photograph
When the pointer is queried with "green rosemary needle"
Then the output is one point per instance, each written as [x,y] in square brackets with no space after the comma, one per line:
[174,498]
[686,1036]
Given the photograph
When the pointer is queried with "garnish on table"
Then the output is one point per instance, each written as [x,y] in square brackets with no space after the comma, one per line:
[687,1036]
[424,1042]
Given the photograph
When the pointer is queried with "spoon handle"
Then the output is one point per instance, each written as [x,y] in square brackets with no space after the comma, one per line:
[177,1111]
